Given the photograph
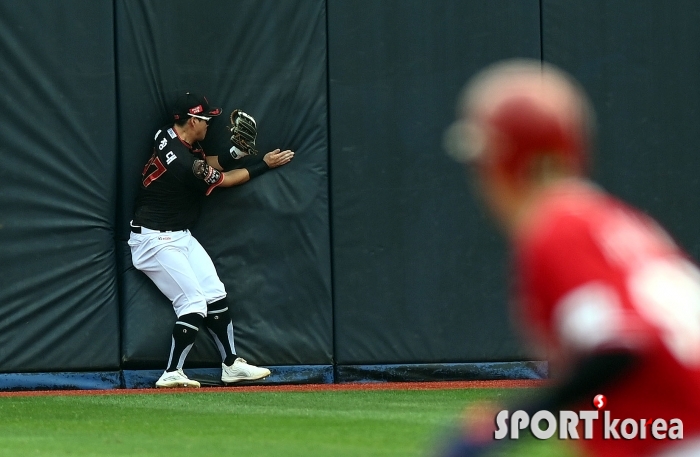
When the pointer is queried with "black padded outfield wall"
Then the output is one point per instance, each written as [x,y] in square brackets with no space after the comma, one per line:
[270,237]
[640,63]
[367,254]
[418,271]
[58,157]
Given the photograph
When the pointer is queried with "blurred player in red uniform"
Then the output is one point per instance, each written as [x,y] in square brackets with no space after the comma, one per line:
[598,285]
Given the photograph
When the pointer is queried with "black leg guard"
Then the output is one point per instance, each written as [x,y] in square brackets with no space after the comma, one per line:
[220,326]
[184,334]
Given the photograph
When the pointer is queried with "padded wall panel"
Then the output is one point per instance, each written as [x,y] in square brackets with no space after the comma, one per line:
[58,289]
[418,271]
[639,62]
[270,237]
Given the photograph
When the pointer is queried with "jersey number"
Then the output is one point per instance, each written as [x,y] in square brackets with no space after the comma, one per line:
[668,293]
[155,174]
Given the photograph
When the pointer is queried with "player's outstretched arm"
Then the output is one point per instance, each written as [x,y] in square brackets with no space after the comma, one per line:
[239,176]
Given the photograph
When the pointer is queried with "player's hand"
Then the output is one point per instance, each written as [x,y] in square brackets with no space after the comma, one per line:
[277,158]
[475,434]
[479,421]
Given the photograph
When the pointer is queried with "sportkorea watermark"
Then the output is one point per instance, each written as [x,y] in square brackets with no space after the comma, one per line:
[566,425]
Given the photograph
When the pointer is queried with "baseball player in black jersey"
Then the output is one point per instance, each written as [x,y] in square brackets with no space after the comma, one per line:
[175,180]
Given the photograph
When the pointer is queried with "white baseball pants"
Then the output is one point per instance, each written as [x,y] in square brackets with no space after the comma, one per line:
[179,266]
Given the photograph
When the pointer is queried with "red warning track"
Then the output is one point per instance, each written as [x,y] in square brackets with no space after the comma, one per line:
[297,388]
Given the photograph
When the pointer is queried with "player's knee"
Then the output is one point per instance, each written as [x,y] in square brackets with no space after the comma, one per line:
[214,291]
[191,307]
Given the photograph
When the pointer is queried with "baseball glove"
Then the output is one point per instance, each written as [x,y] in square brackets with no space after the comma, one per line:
[244,131]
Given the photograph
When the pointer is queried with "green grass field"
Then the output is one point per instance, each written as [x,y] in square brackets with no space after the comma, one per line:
[256,424]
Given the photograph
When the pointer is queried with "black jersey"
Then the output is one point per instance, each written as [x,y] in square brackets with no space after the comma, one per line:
[174,181]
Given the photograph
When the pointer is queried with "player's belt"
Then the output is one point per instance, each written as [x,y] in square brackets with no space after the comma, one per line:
[145,231]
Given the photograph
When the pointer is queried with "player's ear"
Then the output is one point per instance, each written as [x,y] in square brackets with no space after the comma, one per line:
[546,168]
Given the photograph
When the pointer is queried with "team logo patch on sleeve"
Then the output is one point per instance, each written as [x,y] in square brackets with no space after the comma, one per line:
[206,173]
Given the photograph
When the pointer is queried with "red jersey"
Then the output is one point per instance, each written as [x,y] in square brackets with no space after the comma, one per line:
[594,274]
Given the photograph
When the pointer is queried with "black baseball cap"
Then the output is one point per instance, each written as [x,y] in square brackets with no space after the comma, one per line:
[194,105]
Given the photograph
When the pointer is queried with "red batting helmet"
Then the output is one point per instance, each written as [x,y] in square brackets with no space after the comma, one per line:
[520,109]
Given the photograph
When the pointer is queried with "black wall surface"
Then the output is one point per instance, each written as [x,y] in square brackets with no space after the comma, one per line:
[368,248]
[58,187]
[418,272]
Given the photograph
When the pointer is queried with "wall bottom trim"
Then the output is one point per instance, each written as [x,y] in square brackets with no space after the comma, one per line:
[287,374]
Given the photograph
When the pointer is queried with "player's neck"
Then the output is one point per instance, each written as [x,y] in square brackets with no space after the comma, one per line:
[531,199]
[184,134]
